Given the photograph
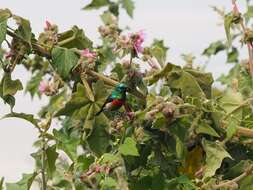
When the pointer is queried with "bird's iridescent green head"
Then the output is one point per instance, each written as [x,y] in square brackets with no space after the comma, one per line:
[121,87]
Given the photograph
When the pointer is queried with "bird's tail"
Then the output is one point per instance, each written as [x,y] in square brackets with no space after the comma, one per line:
[99,112]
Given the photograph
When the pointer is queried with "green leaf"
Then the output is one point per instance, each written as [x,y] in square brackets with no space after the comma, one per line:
[74,38]
[33,84]
[96,4]
[232,56]
[63,60]
[27,117]
[3,30]
[108,18]
[109,182]
[4,14]
[2,183]
[24,30]
[204,128]
[24,184]
[214,48]
[80,107]
[51,155]
[159,51]
[246,183]
[67,144]
[215,154]
[128,5]
[128,148]
[54,105]
[227,25]
[98,140]
[10,87]
[249,13]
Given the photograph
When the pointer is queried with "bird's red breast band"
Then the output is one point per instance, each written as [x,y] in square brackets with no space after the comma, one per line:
[118,102]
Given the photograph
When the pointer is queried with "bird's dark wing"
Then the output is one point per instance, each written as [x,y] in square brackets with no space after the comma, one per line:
[108,99]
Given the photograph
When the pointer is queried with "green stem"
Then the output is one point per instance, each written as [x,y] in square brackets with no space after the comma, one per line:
[43,165]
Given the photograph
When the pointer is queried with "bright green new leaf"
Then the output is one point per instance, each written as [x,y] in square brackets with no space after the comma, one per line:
[63,60]
[128,5]
[128,148]
[215,154]
[24,184]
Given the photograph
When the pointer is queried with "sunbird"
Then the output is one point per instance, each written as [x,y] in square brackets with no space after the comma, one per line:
[116,99]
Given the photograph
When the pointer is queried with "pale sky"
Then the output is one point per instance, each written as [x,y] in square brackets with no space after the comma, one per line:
[187,26]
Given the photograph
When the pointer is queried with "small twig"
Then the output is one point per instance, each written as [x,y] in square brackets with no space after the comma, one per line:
[235,180]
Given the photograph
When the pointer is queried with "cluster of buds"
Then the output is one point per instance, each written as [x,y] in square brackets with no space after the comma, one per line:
[168,109]
[96,169]
[88,56]
[137,40]
[248,36]
[50,35]
[50,88]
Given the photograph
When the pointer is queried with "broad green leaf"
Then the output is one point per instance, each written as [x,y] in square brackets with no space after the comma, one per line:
[28,117]
[74,38]
[10,87]
[214,48]
[227,25]
[204,128]
[215,154]
[4,14]
[51,156]
[67,144]
[33,84]
[63,60]
[84,161]
[128,5]
[186,83]
[3,30]
[24,30]
[96,4]
[80,107]
[109,182]
[98,140]
[128,148]
[159,51]
[24,184]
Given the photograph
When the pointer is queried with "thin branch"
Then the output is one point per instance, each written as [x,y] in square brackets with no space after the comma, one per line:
[43,165]
[235,180]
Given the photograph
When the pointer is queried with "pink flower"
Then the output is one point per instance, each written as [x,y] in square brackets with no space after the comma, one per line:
[87,53]
[48,25]
[43,87]
[8,55]
[138,39]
